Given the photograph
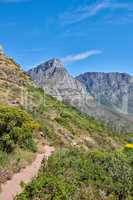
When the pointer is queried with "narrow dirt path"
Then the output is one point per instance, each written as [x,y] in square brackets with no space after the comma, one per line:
[12,187]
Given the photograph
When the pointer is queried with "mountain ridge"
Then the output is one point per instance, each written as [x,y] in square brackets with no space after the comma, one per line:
[80,142]
[57,82]
[111,89]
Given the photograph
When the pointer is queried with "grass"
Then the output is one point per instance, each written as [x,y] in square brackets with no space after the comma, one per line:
[4,159]
[17,159]
[14,162]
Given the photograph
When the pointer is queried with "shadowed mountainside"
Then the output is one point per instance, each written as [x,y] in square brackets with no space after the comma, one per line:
[114,90]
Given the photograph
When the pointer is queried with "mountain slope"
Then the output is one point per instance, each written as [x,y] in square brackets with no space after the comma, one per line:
[56,81]
[83,145]
[60,123]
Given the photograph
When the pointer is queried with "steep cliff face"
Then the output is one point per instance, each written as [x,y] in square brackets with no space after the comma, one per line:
[56,81]
[114,90]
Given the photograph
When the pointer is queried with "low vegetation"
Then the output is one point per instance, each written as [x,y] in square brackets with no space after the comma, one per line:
[75,174]
[83,166]
[16,129]
[64,125]
[17,144]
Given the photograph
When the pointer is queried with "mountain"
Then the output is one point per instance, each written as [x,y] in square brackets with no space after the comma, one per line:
[90,159]
[114,90]
[56,81]
[60,124]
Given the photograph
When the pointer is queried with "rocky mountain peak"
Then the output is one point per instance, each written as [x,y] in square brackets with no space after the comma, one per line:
[55,62]
[47,69]
[56,81]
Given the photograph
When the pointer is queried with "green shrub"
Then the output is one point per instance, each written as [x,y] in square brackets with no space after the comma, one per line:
[74,174]
[16,128]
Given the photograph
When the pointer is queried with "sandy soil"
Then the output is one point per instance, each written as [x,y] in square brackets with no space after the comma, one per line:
[12,187]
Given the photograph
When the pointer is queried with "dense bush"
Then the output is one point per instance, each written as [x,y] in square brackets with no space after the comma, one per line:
[73,174]
[16,128]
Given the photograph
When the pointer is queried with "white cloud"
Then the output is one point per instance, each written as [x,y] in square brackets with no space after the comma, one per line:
[87,11]
[81,56]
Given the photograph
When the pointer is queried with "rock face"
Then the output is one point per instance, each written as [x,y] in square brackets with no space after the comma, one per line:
[114,90]
[56,81]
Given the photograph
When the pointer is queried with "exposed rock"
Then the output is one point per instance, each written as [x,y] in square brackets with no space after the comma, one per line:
[4,176]
[114,90]
[56,81]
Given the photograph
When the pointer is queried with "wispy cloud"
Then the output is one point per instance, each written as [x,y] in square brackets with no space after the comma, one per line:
[81,56]
[91,10]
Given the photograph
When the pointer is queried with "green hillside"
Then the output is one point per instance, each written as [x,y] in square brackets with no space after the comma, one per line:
[82,167]
[75,174]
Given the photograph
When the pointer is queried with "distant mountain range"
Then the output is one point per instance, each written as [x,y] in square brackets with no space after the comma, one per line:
[105,96]
[114,90]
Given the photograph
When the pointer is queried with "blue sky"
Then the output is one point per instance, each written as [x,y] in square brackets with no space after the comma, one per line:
[88,35]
